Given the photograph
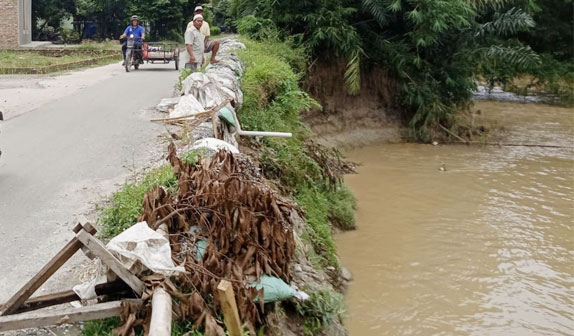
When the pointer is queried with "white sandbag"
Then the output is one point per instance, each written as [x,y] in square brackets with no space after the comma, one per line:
[204,89]
[139,248]
[187,105]
[167,103]
[214,145]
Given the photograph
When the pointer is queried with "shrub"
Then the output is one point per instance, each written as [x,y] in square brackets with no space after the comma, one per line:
[215,30]
[70,36]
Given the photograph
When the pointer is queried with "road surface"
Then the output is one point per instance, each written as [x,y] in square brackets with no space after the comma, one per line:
[76,142]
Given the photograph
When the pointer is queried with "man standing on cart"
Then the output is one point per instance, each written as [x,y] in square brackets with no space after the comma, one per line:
[209,45]
[139,35]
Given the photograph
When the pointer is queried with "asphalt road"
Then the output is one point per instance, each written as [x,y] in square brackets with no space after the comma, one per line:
[61,156]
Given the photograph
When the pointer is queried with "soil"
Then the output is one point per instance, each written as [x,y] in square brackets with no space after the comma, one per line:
[352,120]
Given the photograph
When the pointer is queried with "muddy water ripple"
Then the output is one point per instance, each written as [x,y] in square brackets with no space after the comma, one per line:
[483,248]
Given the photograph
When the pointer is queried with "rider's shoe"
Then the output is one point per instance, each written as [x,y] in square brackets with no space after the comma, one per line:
[123,63]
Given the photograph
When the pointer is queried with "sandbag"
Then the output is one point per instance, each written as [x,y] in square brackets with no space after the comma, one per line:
[274,289]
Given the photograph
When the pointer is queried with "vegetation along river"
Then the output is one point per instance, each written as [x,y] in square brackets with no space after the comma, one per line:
[483,248]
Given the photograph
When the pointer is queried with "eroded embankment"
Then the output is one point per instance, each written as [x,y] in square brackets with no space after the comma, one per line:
[266,212]
[352,120]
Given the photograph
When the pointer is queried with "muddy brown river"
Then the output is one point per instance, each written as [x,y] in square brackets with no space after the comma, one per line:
[483,248]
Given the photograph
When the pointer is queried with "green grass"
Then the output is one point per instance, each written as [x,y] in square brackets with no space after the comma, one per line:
[11,59]
[107,45]
[100,327]
[342,204]
[323,308]
[105,327]
[315,203]
[126,205]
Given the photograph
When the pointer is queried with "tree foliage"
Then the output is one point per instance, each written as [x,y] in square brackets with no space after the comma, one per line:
[434,49]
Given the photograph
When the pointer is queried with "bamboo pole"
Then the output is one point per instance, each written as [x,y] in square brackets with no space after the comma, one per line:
[161,305]
[161,308]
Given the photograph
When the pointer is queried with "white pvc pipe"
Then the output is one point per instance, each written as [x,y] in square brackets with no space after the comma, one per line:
[257,133]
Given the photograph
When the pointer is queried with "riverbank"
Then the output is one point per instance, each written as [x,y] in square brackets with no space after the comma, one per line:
[305,176]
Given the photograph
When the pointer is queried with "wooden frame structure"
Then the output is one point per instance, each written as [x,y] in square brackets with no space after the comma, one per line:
[19,311]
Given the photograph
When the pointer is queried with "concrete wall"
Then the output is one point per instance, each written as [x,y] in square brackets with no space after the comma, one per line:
[9,24]
[25,21]
[15,23]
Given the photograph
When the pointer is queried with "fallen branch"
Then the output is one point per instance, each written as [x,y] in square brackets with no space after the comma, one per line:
[451,133]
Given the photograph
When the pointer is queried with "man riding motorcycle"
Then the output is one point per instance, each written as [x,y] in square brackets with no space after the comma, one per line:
[137,31]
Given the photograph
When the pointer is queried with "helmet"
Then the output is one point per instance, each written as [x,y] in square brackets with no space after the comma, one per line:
[135,17]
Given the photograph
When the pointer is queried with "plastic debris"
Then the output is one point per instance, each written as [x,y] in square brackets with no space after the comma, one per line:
[166,104]
[140,248]
[214,144]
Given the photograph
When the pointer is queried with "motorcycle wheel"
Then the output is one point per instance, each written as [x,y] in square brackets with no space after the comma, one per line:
[128,60]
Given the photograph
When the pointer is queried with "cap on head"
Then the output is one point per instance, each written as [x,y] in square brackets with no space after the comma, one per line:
[198,8]
[197,16]
[135,17]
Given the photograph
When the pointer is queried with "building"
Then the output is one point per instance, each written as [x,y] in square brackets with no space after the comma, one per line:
[15,23]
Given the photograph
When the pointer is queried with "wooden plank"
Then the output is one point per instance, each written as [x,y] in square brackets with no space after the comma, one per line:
[100,251]
[41,277]
[229,306]
[43,301]
[60,316]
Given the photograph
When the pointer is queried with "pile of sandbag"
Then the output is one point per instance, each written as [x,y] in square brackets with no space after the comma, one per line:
[202,91]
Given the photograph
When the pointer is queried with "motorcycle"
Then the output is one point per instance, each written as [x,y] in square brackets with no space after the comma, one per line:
[133,54]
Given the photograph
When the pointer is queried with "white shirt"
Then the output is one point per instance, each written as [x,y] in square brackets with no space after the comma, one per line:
[194,38]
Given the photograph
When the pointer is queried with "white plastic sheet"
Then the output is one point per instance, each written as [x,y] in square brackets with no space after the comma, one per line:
[140,248]
[214,145]
[166,103]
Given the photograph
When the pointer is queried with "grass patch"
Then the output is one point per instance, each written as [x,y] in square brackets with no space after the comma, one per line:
[323,308]
[12,59]
[126,205]
[342,204]
[315,203]
[106,45]
[100,327]
[105,327]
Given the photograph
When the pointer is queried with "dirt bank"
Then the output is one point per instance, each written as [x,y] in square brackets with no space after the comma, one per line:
[352,120]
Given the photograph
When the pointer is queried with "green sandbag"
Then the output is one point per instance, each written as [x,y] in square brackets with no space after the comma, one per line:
[200,247]
[274,289]
[226,115]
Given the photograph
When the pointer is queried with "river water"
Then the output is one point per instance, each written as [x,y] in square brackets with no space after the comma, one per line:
[483,248]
